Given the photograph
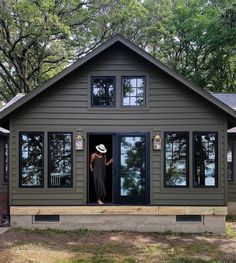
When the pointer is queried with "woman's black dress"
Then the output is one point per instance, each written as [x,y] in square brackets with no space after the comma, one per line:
[99,173]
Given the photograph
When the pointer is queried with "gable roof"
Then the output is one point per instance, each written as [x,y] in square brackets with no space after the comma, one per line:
[230,100]
[227,98]
[119,39]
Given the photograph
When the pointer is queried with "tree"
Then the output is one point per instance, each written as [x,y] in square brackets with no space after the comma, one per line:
[197,38]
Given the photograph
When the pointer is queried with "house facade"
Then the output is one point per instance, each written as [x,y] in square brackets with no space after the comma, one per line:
[230,100]
[4,210]
[167,138]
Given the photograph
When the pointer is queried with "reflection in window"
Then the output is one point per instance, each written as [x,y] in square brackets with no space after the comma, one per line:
[176,159]
[103,90]
[60,159]
[5,178]
[133,91]
[205,159]
[133,165]
[31,159]
[230,173]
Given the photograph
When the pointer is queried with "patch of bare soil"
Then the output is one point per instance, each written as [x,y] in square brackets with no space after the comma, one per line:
[49,246]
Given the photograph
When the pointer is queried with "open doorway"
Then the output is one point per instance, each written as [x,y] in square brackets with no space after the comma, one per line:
[96,139]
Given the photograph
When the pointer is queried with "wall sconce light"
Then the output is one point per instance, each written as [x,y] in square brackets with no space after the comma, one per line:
[79,142]
[157,142]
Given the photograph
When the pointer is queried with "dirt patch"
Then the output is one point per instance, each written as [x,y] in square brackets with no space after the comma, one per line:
[49,246]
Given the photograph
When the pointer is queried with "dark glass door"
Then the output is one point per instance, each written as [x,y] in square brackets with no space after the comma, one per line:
[132,173]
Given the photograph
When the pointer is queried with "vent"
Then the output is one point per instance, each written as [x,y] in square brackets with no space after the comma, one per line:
[46,218]
[189,218]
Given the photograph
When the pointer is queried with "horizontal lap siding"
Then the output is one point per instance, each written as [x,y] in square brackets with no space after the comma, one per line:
[66,107]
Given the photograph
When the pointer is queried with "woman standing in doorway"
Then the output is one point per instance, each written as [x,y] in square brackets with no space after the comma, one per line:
[98,165]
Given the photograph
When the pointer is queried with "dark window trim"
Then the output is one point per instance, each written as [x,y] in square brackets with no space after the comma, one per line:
[49,159]
[145,92]
[216,160]
[91,92]
[6,163]
[20,156]
[232,179]
[187,159]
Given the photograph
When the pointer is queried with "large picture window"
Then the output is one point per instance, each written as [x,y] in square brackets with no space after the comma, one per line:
[6,163]
[103,91]
[31,159]
[176,159]
[205,159]
[60,159]
[133,91]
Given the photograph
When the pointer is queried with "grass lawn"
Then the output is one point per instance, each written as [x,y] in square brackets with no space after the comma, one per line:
[19,245]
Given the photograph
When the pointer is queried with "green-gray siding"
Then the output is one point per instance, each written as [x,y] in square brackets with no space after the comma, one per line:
[66,107]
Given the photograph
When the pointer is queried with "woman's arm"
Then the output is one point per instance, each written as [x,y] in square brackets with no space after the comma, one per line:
[107,163]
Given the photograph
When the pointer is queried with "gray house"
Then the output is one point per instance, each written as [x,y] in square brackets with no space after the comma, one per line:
[3,176]
[230,100]
[167,138]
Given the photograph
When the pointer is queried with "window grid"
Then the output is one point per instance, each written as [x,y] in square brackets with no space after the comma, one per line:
[133,91]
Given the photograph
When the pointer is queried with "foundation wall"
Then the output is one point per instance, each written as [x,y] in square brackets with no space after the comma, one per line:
[232,208]
[143,219]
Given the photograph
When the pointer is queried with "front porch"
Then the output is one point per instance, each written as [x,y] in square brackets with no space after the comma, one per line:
[191,219]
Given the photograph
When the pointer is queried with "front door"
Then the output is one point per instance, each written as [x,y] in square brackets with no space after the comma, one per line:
[131,169]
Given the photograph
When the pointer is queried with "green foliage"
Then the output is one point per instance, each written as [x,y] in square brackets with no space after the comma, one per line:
[39,38]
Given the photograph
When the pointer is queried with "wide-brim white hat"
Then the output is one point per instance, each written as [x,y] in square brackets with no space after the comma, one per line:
[101,148]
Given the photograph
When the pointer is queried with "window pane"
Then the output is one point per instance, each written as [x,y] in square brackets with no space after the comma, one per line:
[5,178]
[132,165]
[133,91]
[176,159]
[103,90]
[230,162]
[31,159]
[205,159]
[60,159]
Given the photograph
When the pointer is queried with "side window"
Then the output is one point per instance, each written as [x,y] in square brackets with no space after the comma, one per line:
[230,169]
[205,159]
[176,161]
[60,159]
[103,91]
[31,159]
[6,163]
[133,91]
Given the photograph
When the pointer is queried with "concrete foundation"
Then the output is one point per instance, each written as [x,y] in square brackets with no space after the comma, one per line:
[142,223]
[232,208]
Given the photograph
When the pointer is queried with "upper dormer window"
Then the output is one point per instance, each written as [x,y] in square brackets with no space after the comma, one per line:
[133,91]
[103,91]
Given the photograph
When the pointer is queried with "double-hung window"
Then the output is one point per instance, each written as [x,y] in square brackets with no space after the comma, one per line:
[205,159]
[60,159]
[31,159]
